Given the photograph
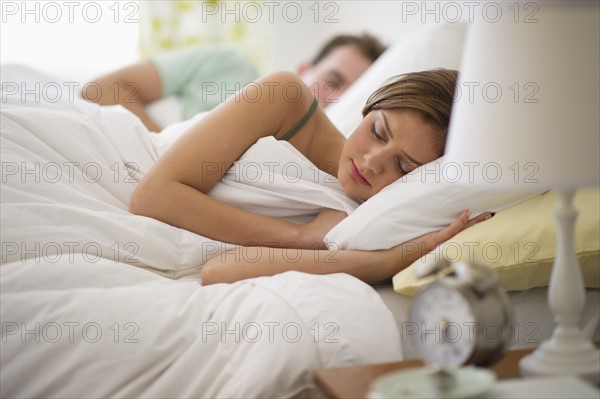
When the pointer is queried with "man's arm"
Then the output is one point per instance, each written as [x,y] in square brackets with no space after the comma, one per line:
[133,87]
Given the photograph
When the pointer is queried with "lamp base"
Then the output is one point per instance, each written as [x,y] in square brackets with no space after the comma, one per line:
[567,354]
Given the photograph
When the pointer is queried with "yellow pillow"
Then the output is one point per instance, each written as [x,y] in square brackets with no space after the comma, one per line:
[520,244]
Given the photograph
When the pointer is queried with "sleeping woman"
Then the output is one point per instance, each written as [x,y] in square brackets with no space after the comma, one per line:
[404,126]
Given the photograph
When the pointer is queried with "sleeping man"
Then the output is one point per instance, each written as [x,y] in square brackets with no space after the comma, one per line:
[203,77]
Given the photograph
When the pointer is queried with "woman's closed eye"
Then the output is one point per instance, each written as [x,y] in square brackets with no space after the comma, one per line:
[333,84]
[405,167]
[377,136]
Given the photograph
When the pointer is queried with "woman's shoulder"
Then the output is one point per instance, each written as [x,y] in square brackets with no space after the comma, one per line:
[305,125]
[289,98]
[281,88]
[282,78]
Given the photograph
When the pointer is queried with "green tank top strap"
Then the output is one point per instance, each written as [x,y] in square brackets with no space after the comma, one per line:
[292,132]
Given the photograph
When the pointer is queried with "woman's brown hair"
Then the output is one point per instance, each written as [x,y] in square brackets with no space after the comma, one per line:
[431,93]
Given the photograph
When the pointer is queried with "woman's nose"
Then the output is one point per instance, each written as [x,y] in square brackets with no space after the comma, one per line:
[373,160]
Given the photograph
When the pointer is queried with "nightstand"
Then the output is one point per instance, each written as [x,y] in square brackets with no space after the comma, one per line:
[354,382]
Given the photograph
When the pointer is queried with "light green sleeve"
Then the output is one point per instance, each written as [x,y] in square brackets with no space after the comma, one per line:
[193,74]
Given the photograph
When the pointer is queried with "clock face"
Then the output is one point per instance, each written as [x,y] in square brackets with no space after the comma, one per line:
[446,325]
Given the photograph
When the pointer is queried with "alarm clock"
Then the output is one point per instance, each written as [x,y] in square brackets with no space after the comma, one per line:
[463,317]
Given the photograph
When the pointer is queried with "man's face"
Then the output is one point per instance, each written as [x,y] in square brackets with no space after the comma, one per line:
[331,76]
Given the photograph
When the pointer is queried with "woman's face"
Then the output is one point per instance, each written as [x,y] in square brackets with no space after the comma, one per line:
[385,146]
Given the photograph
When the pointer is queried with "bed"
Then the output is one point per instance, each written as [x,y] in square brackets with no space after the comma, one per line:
[97,302]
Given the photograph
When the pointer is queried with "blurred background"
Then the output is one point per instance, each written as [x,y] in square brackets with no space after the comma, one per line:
[79,40]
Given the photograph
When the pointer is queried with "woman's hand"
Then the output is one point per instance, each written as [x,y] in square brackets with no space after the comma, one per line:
[365,265]
[406,253]
[313,233]
[463,222]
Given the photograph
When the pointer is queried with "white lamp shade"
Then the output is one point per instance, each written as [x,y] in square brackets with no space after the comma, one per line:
[528,99]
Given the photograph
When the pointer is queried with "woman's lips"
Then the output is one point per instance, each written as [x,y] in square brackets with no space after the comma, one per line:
[358,177]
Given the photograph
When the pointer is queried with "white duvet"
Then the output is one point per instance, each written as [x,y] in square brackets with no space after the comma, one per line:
[97,302]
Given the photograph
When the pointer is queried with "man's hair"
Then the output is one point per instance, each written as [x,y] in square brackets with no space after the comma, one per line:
[368,45]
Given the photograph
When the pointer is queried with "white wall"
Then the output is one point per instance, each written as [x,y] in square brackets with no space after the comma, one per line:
[93,37]
[295,42]
[73,40]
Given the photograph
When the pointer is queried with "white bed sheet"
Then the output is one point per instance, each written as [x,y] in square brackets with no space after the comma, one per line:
[81,276]
[105,329]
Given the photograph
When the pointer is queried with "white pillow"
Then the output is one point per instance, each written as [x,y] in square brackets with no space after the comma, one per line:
[165,111]
[417,204]
[423,201]
[434,46]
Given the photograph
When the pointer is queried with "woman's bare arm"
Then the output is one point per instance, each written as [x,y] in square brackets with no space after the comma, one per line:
[175,189]
[133,87]
[369,266]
